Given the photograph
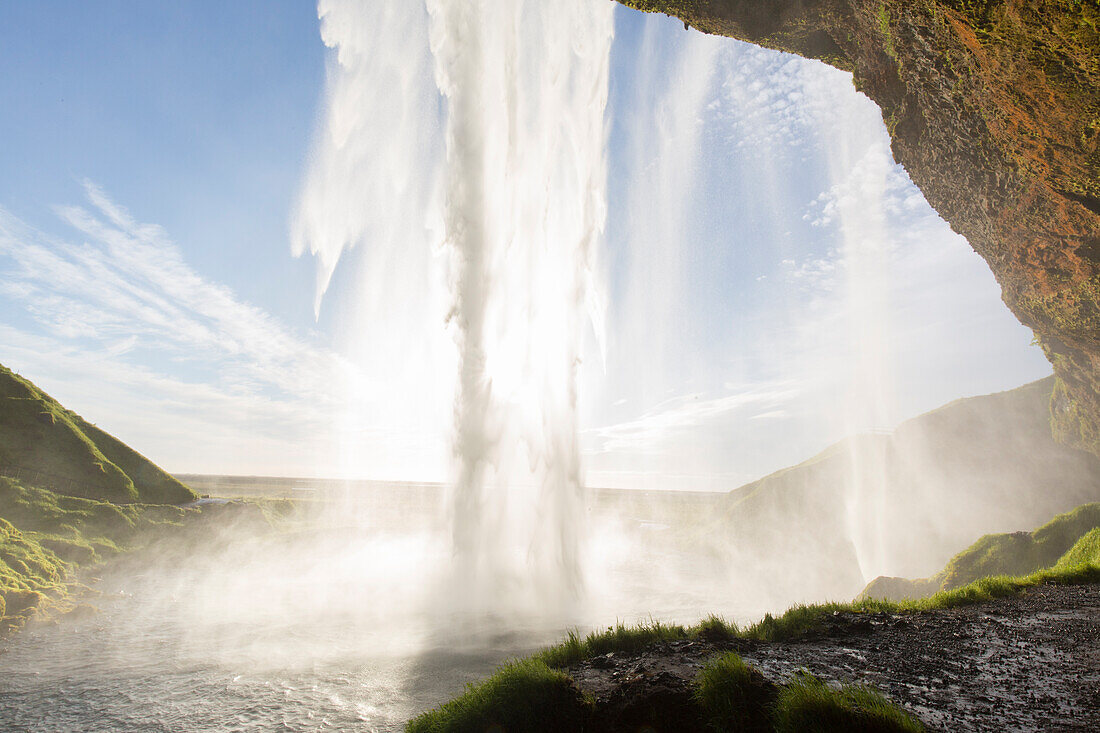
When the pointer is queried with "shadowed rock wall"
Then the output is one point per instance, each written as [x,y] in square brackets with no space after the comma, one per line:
[993,107]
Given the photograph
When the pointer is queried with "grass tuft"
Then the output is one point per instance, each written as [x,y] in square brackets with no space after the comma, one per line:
[716,629]
[524,695]
[618,638]
[808,705]
[733,695]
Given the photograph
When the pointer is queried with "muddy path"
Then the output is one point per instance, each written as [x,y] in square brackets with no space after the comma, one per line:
[1031,662]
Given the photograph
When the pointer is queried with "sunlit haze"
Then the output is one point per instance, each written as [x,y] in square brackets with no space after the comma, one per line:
[266,291]
[549,358]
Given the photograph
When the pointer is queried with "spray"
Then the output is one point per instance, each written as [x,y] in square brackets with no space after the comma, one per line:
[524,209]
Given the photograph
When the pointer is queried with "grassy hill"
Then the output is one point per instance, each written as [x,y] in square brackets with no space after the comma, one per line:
[45,445]
[70,496]
[911,499]
[1067,541]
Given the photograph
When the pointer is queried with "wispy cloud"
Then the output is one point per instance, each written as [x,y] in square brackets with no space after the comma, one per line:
[117,322]
[672,419]
[782,104]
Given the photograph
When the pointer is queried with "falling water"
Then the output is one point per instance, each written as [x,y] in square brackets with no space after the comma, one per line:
[869,398]
[526,88]
[517,197]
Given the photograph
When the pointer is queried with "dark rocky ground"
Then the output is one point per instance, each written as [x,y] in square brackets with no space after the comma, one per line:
[1030,662]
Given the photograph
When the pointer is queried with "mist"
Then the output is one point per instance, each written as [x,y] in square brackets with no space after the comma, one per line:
[633,323]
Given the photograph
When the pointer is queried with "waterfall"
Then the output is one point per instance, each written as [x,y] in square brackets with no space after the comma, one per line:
[526,89]
[501,221]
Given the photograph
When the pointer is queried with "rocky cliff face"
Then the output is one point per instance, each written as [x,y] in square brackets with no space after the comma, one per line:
[993,107]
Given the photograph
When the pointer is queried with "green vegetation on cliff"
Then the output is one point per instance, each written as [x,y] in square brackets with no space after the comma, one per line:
[1086,551]
[1021,553]
[45,537]
[29,575]
[1054,545]
[43,444]
[70,496]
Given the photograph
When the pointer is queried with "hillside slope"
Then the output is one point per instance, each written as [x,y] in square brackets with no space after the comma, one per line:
[46,445]
[1066,541]
[903,504]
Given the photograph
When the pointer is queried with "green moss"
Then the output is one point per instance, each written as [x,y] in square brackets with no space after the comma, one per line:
[72,550]
[882,15]
[1072,422]
[42,510]
[522,696]
[678,8]
[46,537]
[976,12]
[29,575]
[808,705]
[1073,310]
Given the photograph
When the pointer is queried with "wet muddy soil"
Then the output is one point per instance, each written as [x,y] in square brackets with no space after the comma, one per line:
[1031,662]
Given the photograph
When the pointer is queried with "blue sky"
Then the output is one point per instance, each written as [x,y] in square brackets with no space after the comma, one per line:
[198,115]
[773,279]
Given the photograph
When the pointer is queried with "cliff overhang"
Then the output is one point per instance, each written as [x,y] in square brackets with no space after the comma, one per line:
[993,107]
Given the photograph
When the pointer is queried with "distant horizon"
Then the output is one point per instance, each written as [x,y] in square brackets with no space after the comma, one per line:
[423,484]
[591,487]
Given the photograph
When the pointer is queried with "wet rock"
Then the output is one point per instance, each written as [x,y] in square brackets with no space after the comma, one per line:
[604,661]
[661,703]
[1030,662]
